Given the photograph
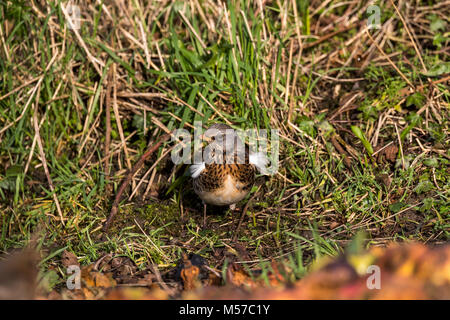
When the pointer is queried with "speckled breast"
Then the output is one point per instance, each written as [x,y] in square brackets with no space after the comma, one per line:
[222,184]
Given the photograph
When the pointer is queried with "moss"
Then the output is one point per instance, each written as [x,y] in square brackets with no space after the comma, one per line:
[150,217]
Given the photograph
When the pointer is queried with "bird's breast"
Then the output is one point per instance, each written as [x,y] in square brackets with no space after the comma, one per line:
[231,191]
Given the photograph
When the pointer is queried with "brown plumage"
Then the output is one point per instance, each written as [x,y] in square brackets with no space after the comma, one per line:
[224,184]
[229,181]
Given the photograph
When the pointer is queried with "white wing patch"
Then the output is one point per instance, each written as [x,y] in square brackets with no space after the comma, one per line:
[196,169]
[260,161]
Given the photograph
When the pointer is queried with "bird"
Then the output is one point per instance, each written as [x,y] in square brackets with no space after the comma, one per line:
[228,169]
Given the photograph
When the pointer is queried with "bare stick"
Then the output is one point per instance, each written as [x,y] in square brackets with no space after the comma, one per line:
[410,36]
[390,61]
[130,175]
[244,211]
[108,122]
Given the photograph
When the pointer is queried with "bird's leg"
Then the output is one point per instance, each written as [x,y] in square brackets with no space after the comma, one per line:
[232,209]
[204,215]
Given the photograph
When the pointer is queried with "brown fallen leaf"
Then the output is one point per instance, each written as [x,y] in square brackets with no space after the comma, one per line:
[389,153]
[189,274]
[69,259]
[407,271]
[429,264]
[238,277]
[94,282]
[213,280]
[384,179]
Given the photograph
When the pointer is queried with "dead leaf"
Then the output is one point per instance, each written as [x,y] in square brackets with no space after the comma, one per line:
[384,179]
[69,259]
[238,277]
[389,153]
[189,274]
[96,279]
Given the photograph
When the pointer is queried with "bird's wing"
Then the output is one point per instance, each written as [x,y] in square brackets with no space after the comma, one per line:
[196,169]
[260,160]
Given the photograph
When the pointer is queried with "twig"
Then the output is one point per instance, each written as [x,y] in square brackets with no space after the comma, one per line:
[410,36]
[150,170]
[286,97]
[328,36]
[20,87]
[91,58]
[400,145]
[214,109]
[130,175]
[151,241]
[244,211]
[31,96]
[117,115]
[192,29]
[108,122]
[155,269]
[390,61]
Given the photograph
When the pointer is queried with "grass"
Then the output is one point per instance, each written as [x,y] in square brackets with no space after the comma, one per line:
[358,149]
